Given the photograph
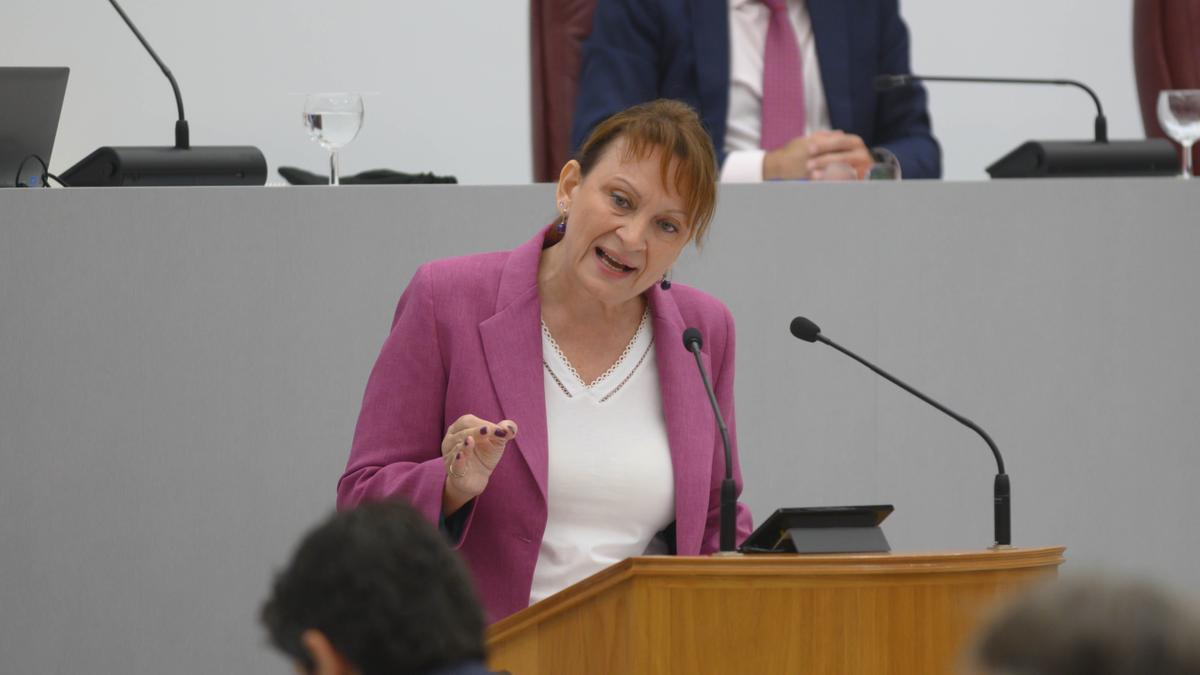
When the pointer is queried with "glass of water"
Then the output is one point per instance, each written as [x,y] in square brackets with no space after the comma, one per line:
[886,165]
[1179,115]
[333,120]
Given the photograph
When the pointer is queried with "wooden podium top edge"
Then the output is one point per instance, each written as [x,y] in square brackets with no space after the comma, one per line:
[853,564]
[848,563]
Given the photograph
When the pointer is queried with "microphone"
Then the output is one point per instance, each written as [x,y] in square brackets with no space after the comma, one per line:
[692,342]
[178,165]
[886,82]
[1151,157]
[1002,491]
[182,140]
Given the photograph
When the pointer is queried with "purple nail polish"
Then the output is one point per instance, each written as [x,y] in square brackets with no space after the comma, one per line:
[500,433]
[483,431]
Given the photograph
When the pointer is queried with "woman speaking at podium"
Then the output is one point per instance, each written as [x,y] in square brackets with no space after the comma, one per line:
[539,403]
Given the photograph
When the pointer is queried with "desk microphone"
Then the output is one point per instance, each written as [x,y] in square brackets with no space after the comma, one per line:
[1153,157]
[887,82]
[692,342]
[178,165]
[1002,494]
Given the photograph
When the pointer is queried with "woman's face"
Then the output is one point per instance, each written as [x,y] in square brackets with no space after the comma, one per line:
[624,227]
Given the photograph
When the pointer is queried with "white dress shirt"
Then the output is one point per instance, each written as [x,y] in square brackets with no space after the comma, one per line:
[748,21]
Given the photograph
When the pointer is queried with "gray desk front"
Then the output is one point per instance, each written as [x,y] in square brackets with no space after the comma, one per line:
[180,372]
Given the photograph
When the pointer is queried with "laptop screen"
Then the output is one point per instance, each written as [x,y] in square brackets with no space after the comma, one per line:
[33,99]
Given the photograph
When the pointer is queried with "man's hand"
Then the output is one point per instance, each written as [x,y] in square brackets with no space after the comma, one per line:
[809,156]
[830,147]
[789,162]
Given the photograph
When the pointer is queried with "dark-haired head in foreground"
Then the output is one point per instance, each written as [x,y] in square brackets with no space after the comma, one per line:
[1092,627]
[376,591]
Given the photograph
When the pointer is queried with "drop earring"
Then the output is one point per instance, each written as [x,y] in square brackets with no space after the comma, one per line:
[665,284]
[562,220]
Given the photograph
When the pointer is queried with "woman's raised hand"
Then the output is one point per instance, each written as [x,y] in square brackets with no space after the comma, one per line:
[471,449]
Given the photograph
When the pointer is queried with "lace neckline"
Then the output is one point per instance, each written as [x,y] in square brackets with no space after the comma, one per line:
[630,349]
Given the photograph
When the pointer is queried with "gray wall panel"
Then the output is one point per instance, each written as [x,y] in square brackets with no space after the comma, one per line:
[180,372]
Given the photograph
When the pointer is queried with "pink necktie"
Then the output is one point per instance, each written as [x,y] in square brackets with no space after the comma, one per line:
[783,81]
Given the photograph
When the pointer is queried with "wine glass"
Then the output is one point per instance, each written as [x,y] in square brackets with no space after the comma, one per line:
[333,120]
[1179,115]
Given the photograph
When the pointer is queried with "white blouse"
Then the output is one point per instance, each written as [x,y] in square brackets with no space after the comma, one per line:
[610,486]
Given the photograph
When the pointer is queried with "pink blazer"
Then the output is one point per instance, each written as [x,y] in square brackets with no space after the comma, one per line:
[467,338]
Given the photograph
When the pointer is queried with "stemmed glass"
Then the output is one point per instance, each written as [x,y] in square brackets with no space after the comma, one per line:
[333,120]
[1179,115]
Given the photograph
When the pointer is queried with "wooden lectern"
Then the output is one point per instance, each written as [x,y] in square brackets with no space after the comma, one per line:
[861,614]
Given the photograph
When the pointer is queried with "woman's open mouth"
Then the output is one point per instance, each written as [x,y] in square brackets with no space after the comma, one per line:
[612,263]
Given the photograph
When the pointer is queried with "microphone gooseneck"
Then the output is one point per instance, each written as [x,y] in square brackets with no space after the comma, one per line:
[888,82]
[182,136]
[692,341]
[808,331]
[178,164]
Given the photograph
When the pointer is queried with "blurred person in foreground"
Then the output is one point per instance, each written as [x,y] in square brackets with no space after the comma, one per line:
[1091,626]
[376,591]
[538,403]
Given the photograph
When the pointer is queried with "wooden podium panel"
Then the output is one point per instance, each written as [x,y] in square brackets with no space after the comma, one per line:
[863,614]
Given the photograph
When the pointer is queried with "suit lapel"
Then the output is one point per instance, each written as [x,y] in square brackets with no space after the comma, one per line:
[710,20]
[830,26]
[691,427]
[512,345]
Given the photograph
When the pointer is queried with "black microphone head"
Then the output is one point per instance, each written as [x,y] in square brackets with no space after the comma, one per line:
[888,82]
[691,337]
[805,329]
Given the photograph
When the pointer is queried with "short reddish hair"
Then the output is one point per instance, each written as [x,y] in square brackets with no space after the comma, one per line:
[674,128]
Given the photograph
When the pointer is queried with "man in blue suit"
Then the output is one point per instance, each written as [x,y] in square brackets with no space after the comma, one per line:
[703,52]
